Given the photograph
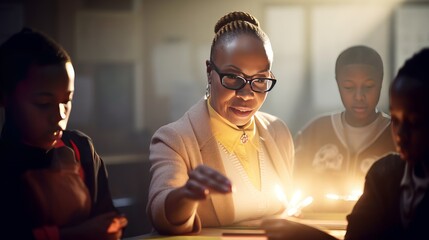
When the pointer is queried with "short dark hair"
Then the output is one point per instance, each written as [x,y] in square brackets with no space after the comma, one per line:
[360,54]
[416,67]
[24,49]
[412,80]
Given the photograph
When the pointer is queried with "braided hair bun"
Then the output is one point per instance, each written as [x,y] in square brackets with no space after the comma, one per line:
[234,24]
[233,17]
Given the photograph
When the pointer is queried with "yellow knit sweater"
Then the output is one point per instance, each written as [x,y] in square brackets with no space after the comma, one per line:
[229,135]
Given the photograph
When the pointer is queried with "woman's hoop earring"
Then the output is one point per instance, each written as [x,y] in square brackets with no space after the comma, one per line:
[208,89]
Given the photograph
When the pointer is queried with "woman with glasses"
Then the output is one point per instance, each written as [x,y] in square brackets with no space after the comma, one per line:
[221,163]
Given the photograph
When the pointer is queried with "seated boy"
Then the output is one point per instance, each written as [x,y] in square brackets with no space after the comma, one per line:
[54,185]
[334,151]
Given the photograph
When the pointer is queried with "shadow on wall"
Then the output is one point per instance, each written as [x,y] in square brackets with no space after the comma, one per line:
[129,184]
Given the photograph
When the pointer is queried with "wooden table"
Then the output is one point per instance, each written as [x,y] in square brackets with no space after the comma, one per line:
[233,233]
[212,234]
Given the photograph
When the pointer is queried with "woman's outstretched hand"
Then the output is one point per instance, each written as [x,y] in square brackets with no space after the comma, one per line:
[204,180]
[182,202]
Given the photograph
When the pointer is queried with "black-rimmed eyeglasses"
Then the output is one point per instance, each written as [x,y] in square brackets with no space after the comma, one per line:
[236,82]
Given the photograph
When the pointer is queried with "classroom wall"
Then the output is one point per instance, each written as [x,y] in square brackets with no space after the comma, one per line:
[306,37]
[140,64]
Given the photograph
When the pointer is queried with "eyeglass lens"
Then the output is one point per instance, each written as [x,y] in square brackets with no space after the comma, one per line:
[237,82]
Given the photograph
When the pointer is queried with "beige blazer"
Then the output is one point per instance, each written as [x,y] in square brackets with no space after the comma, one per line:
[179,147]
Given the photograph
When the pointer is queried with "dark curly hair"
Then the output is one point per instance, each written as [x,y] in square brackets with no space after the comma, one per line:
[414,74]
[417,67]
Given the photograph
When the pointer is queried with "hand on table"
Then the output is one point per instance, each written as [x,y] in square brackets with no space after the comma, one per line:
[107,226]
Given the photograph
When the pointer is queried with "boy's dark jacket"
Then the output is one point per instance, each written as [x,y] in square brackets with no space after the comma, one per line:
[377,213]
[16,158]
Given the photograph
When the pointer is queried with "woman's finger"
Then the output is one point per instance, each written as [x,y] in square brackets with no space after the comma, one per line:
[211,179]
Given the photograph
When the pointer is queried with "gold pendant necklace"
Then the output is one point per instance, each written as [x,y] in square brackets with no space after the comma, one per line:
[244,138]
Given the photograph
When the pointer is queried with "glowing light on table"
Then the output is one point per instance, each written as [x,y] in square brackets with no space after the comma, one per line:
[293,206]
[353,196]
